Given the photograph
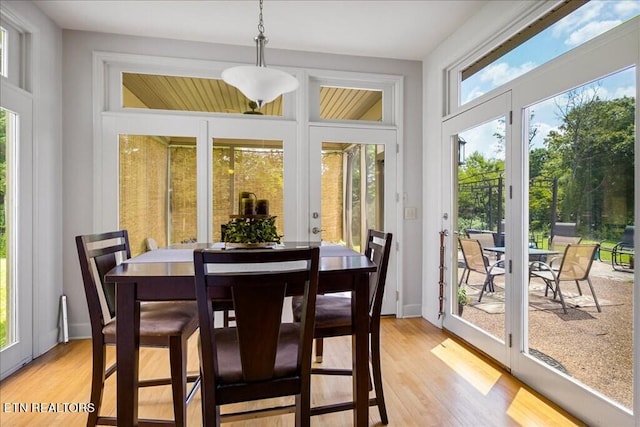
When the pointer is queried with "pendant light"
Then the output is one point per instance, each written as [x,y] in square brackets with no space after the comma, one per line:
[259,83]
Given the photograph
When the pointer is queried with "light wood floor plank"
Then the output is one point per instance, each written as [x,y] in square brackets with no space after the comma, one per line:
[430,379]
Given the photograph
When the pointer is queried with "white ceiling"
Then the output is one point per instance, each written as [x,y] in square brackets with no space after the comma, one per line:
[387,29]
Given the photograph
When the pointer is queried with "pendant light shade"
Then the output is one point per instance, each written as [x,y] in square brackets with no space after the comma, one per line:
[259,83]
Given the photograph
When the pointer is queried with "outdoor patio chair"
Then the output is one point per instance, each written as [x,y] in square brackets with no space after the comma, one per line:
[575,266]
[559,243]
[475,260]
[486,239]
[623,252]
[567,229]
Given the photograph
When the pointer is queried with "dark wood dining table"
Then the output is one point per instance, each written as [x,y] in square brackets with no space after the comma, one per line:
[168,274]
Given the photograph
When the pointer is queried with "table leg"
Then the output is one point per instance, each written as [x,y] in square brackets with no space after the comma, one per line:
[360,347]
[127,348]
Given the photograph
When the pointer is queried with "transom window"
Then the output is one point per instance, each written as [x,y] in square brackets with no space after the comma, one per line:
[176,93]
[560,30]
[3,52]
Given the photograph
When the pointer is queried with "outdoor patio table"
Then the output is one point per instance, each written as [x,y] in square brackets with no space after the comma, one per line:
[168,274]
[535,254]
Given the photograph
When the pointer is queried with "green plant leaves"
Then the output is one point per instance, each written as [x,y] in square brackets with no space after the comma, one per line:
[252,230]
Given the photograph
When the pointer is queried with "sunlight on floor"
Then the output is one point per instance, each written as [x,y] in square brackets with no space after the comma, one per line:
[528,409]
[469,366]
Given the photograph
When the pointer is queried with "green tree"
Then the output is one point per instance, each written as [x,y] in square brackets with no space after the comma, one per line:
[480,185]
[592,155]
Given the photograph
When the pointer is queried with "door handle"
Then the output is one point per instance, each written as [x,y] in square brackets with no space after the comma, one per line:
[316,230]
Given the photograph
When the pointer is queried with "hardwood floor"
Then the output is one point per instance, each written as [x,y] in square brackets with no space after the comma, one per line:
[430,379]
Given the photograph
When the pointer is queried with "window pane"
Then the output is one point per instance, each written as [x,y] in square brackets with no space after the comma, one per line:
[340,103]
[3,52]
[158,189]
[581,175]
[252,166]
[8,216]
[584,24]
[352,192]
[480,214]
[158,92]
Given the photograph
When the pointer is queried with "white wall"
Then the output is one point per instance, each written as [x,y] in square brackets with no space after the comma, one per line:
[47,179]
[482,27]
[78,140]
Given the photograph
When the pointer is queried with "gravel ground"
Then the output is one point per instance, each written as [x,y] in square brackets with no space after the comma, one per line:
[594,348]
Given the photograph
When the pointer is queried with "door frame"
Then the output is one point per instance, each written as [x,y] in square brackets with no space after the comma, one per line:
[360,135]
[610,52]
[494,108]
[16,355]
[621,49]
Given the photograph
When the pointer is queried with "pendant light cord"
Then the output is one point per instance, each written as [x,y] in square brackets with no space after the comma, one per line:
[260,21]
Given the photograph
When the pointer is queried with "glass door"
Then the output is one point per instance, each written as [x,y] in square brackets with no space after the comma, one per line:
[16,286]
[257,160]
[352,189]
[478,292]
[581,169]
[178,179]
[150,179]
[570,201]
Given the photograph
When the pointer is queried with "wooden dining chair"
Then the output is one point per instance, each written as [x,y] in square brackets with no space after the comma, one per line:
[333,319]
[162,324]
[261,356]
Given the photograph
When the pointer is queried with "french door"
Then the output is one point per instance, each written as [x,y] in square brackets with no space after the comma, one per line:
[178,179]
[476,143]
[352,188]
[16,269]
[559,146]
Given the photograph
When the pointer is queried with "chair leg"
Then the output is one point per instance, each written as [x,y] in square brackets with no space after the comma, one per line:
[97,380]
[595,299]
[462,277]
[559,292]
[303,405]
[178,362]
[319,349]
[210,414]
[485,287]
[377,374]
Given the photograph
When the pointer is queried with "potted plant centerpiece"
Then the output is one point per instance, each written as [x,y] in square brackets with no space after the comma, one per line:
[251,232]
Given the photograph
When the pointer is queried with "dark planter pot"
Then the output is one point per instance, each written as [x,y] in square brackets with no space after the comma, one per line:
[460,308]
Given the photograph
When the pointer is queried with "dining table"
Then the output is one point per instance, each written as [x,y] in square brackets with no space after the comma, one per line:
[167,274]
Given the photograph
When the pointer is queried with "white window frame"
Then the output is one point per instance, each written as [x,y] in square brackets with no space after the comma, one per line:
[110,67]
[389,85]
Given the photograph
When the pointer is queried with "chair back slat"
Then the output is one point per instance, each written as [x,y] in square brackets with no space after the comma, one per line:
[257,281]
[577,261]
[378,250]
[98,254]
[258,313]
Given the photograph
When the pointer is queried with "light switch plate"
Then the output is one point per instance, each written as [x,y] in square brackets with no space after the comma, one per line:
[410,213]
